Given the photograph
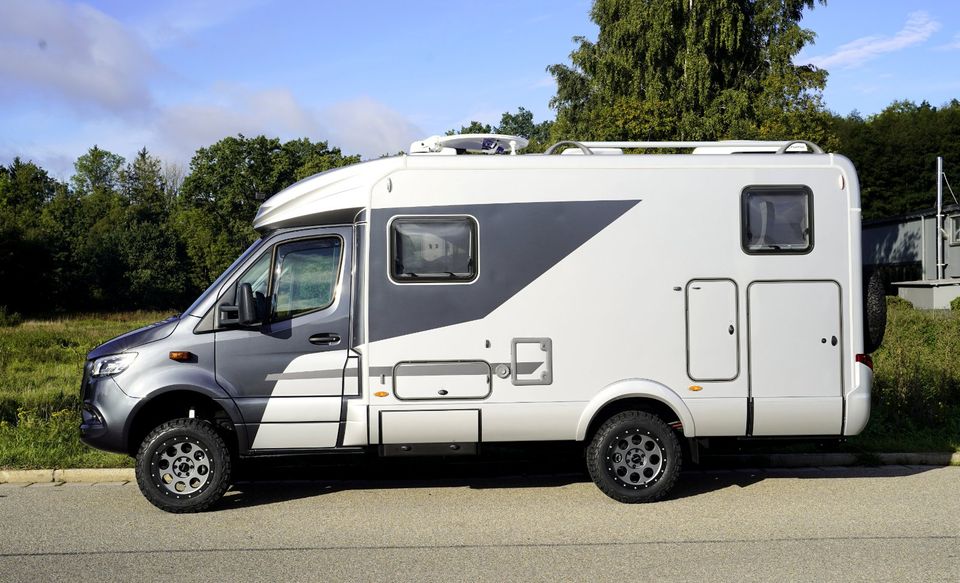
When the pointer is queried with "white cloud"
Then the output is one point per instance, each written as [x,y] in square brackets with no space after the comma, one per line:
[228,110]
[178,21]
[953,45]
[368,127]
[362,126]
[918,28]
[72,52]
[544,82]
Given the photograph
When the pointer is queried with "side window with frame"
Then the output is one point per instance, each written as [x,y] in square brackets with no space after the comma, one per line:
[433,249]
[305,276]
[953,227]
[776,219]
[257,275]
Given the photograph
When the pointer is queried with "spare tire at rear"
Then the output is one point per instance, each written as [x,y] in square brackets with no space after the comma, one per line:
[874,310]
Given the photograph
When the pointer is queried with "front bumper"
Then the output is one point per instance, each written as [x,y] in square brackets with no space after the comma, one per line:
[105,414]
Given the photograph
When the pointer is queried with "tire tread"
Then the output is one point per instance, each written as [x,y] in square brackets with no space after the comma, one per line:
[210,497]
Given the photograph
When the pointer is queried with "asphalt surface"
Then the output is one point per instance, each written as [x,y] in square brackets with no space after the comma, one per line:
[499,523]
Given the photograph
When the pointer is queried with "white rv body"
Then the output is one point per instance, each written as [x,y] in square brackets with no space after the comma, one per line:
[659,301]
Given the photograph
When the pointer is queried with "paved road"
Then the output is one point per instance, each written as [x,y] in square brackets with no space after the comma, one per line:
[855,524]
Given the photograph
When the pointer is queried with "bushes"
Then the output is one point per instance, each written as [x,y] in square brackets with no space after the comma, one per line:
[9,318]
[38,441]
[955,304]
[41,363]
[917,374]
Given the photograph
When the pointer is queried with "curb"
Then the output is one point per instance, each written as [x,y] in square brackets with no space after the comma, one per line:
[776,460]
[805,460]
[92,475]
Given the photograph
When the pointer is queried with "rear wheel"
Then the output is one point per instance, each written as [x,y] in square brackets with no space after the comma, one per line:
[183,466]
[634,457]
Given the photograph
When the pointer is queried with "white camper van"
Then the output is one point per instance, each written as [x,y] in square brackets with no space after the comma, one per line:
[429,303]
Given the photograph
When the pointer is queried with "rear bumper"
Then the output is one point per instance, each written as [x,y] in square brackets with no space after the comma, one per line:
[858,401]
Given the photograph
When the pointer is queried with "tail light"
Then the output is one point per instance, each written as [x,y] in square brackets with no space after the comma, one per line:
[865,359]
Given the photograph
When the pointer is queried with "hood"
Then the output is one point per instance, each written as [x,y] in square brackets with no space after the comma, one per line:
[138,337]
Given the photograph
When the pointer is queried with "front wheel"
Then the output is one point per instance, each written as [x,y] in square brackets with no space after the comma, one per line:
[634,457]
[183,466]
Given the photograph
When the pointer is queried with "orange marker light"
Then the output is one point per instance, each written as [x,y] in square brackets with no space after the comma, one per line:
[696,388]
[381,394]
[183,356]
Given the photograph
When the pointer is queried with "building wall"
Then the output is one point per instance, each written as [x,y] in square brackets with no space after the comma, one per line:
[911,241]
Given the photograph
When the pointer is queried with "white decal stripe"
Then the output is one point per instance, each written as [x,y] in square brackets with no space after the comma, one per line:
[296,435]
[287,409]
[315,366]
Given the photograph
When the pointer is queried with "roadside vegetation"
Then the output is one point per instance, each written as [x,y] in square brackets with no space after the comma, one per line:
[916,403]
[41,364]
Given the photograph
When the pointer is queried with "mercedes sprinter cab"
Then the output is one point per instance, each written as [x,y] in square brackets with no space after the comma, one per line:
[426,304]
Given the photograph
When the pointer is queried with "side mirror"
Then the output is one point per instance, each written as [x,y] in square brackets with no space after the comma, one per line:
[246,305]
[245,313]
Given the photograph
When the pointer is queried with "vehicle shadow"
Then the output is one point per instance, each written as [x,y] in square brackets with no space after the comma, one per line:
[275,480]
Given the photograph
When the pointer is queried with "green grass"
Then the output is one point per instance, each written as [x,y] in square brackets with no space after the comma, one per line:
[916,386]
[41,363]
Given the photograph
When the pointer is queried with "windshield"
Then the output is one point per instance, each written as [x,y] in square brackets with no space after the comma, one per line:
[194,308]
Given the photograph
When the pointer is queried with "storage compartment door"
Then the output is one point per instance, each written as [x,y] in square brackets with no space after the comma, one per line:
[712,330]
[447,426]
[419,381]
[795,357]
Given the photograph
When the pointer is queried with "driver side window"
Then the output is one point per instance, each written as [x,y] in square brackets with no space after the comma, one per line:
[258,276]
[305,276]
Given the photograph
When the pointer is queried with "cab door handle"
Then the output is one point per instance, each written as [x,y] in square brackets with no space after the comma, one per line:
[325,339]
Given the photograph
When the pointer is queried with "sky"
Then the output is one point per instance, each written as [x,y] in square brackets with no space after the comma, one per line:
[367,76]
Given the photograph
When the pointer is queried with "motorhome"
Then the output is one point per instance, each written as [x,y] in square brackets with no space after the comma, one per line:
[637,297]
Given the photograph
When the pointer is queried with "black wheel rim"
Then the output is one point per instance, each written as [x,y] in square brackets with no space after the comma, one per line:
[634,459]
[182,467]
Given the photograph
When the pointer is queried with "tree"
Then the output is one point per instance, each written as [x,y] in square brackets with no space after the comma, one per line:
[692,70]
[474,127]
[895,154]
[219,197]
[514,124]
[97,171]
[25,189]
[151,248]
[522,124]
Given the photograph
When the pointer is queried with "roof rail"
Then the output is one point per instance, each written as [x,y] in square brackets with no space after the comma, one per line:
[718,147]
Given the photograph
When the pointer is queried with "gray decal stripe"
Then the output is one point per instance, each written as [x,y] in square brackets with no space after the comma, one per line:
[443,369]
[527,367]
[335,373]
[454,369]
[518,242]
[424,370]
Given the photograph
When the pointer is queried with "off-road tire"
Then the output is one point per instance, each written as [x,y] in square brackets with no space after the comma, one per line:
[207,461]
[874,310]
[644,437]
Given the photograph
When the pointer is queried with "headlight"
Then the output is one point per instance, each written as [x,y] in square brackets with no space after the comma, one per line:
[111,365]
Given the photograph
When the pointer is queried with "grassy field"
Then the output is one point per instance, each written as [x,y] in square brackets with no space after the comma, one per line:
[916,391]
[41,363]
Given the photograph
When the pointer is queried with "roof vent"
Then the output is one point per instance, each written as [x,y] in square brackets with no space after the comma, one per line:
[463,143]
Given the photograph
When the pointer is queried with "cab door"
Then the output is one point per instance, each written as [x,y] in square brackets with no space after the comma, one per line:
[286,373]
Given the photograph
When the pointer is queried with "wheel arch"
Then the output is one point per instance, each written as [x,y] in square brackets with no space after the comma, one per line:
[639,394]
[176,401]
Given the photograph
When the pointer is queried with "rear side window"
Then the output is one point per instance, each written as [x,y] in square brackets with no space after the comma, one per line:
[427,249]
[777,219]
